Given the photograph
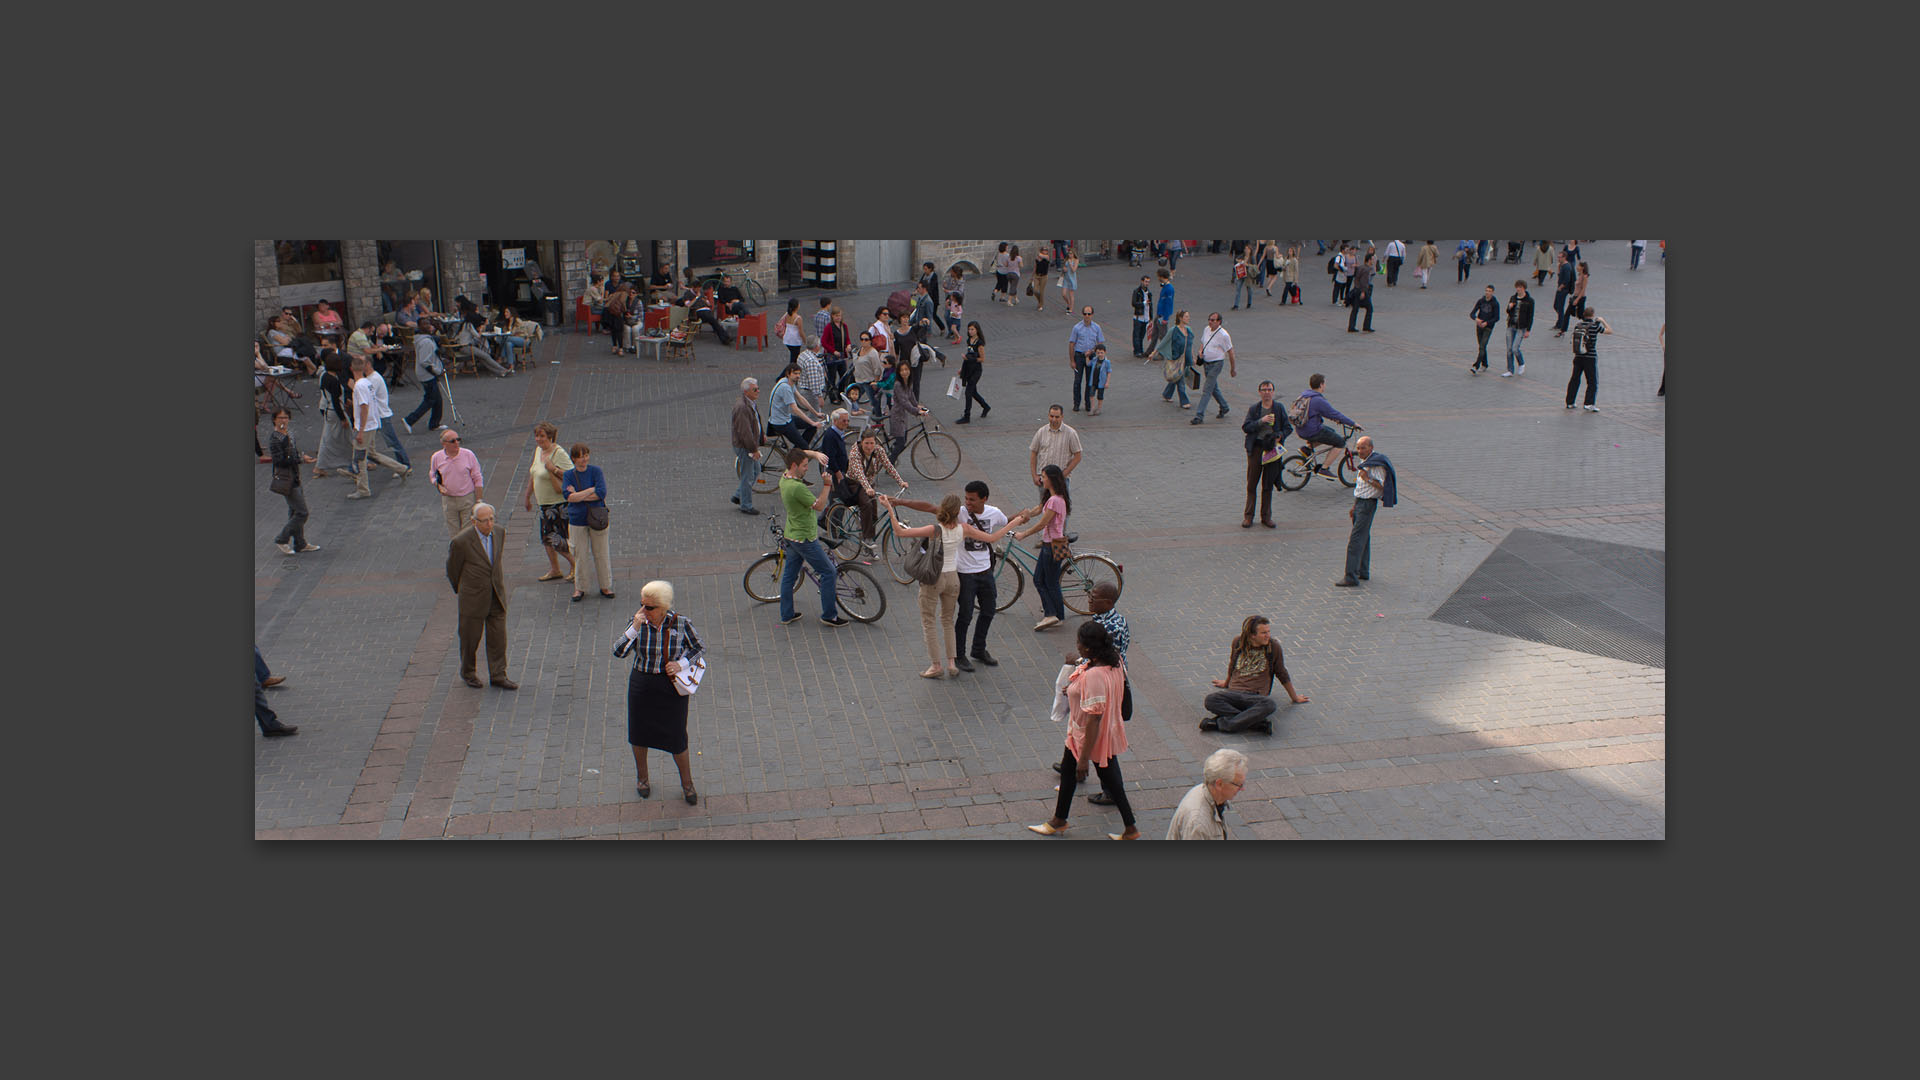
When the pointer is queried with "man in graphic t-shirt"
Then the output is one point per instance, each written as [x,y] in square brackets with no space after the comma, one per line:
[1243,701]
[976,582]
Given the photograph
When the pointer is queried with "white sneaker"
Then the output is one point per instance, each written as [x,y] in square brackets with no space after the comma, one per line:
[1506,374]
[285,548]
[1520,370]
[443,427]
[1592,408]
[404,426]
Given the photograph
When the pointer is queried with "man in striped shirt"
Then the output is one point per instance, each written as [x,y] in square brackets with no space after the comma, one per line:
[1586,356]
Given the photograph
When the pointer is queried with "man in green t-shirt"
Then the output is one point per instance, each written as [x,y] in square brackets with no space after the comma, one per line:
[802,532]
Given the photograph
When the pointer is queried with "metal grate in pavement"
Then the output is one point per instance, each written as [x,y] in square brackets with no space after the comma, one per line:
[1589,596]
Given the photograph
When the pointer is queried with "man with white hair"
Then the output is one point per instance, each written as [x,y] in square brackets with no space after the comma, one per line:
[1201,813]
[749,435]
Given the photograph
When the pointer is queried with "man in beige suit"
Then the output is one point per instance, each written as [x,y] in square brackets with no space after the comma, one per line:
[473,568]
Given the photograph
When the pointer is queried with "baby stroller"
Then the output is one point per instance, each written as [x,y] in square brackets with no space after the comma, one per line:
[1513,250]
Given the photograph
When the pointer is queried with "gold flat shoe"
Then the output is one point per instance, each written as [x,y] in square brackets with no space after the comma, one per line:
[1045,829]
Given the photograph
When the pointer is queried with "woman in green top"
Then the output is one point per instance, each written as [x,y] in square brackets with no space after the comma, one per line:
[550,461]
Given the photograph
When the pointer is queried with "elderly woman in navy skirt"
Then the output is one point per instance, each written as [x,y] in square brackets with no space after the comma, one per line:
[662,643]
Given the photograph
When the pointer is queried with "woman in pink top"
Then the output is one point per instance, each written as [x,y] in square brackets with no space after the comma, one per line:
[1095,734]
[326,319]
[1052,528]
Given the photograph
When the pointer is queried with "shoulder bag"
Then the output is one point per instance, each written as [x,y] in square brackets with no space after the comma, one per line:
[923,563]
[687,679]
[282,481]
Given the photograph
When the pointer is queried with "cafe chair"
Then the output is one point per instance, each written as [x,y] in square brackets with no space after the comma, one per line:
[581,316]
[754,326]
[678,318]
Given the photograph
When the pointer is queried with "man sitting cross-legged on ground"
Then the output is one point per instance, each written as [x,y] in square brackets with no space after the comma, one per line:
[1253,663]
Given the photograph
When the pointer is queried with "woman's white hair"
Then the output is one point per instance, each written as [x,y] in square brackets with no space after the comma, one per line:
[663,592]
[1223,765]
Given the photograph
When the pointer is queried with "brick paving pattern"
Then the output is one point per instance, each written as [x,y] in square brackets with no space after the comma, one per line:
[1416,729]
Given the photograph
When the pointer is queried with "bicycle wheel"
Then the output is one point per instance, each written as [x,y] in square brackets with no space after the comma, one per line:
[858,595]
[1346,468]
[773,462]
[1005,597]
[1081,574]
[895,548]
[842,534]
[755,293]
[762,579]
[936,455]
[1295,470]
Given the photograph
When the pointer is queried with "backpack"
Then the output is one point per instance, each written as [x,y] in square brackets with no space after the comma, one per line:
[1333,266]
[1297,412]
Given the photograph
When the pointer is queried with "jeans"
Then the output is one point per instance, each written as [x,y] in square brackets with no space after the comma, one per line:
[1637,252]
[262,713]
[1110,782]
[429,401]
[1179,384]
[1465,270]
[1514,354]
[261,673]
[836,372]
[296,527]
[1140,337]
[1082,378]
[749,469]
[1173,258]
[507,345]
[1239,711]
[816,557]
[1046,583]
[1245,285]
[1483,333]
[1360,540]
[1562,304]
[1581,364]
[795,430]
[1210,389]
[974,587]
[1339,291]
[393,440]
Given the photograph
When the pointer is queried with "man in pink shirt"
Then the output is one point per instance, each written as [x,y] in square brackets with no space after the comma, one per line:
[456,472]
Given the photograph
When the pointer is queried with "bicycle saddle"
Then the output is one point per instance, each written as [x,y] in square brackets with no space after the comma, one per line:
[1073,538]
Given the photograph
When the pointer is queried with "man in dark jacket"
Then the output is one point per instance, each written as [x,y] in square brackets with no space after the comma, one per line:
[749,435]
[1142,300]
[1485,314]
[1360,295]
[930,281]
[1519,325]
[1267,427]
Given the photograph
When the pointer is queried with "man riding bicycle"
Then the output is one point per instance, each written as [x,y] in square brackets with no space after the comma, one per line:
[790,416]
[1313,429]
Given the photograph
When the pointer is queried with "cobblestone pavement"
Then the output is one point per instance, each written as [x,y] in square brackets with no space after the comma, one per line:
[1416,729]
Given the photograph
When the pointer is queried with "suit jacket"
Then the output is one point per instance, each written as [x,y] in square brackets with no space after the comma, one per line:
[480,585]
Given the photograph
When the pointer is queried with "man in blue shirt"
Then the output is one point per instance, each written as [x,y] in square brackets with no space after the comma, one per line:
[1080,342]
[1314,429]
[782,421]
[1163,311]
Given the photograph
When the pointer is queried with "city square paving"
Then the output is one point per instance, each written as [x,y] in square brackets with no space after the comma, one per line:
[1416,729]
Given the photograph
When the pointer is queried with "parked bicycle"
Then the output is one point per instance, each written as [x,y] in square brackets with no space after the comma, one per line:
[856,593]
[1082,572]
[753,291]
[934,453]
[1297,468]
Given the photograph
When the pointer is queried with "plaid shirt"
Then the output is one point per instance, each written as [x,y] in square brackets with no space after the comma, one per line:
[651,647]
[813,377]
[857,468]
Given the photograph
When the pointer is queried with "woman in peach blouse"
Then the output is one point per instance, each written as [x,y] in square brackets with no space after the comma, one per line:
[1095,734]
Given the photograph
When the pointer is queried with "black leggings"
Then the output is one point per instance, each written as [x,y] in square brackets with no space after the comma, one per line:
[972,395]
[793,354]
[1110,782]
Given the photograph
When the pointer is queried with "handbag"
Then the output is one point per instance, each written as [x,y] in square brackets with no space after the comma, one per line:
[282,481]
[923,563]
[597,517]
[1061,552]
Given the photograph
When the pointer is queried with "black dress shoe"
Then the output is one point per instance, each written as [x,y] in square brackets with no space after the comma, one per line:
[1344,583]
[963,420]
[1100,798]
[473,681]
[1364,577]
[986,658]
[962,663]
[283,729]
[749,510]
[1211,723]
[734,499]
